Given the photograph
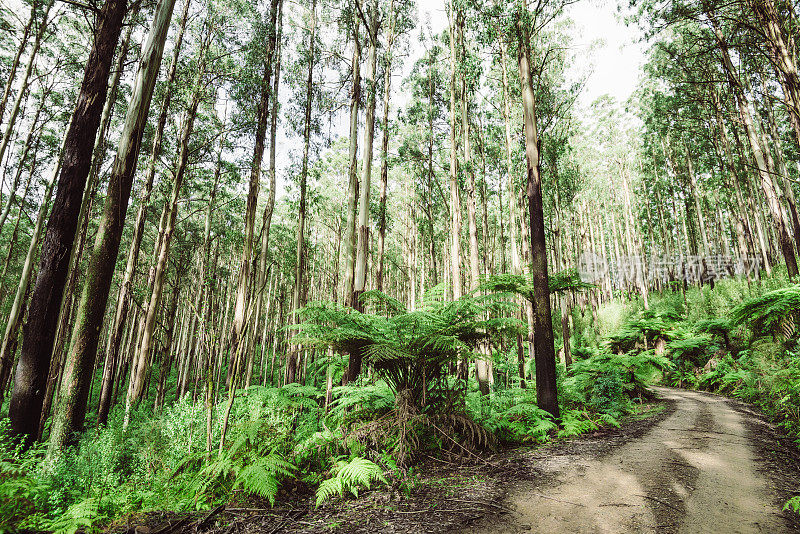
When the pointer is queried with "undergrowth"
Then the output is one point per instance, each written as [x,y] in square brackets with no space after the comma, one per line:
[287,443]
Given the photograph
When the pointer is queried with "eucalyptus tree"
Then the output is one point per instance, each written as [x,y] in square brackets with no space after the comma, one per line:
[246,274]
[351,25]
[544,349]
[310,57]
[372,23]
[94,297]
[132,258]
[199,92]
[39,332]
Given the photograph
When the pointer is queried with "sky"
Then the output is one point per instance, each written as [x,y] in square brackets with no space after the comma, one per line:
[614,62]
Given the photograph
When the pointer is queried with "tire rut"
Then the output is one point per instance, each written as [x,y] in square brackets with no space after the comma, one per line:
[698,470]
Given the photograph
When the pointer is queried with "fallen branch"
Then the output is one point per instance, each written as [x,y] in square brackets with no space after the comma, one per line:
[169,529]
[558,500]
[483,503]
[279,527]
[660,502]
[432,510]
[207,519]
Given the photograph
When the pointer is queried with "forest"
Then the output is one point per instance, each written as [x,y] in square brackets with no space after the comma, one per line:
[274,262]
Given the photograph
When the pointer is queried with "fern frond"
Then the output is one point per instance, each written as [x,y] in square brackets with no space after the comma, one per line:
[349,476]
[256,478]
[770,312]
[793,504]
[328,488]
[360,472]
[79,515]
[610,420]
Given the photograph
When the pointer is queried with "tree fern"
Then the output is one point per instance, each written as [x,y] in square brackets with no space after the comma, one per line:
[411,351]
[561,282]
[775,312]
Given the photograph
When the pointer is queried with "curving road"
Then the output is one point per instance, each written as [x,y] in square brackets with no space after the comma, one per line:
[695,471]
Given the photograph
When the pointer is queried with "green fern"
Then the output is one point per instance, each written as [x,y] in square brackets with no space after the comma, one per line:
[561,282]
[793,504]
[79,515]
[349,476]
[261,477]
[410,351]
[693,348]
[328,488]
[775,312]
[610,420]
[575,423]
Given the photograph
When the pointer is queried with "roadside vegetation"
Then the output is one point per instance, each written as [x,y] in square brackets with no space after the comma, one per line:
[286,440]
[257,253]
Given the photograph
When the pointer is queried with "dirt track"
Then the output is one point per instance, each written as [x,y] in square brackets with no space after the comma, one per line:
[698,470]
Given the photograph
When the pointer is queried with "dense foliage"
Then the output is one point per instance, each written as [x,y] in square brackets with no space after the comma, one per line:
[262,251]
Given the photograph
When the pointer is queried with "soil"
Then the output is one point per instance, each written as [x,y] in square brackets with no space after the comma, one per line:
[698,463]
[712,465]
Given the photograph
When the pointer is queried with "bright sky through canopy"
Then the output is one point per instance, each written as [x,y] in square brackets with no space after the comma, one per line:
[616,62]
[606,47]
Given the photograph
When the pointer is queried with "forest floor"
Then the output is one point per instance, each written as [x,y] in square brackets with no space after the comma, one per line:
[694,462]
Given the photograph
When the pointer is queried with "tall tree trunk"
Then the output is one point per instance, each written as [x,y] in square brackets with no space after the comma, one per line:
[94,297]
[34,362]
[115,339]
[455,194]
[481,365]
[299,271]
[262,113]
[266,221]
[431,175]
[516,264]
[767,187]
[362,247]
[88,197]
[546,389]
[141,359]
[387,88]
[352,185]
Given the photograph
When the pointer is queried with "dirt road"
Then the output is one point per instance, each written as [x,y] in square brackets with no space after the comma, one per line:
[699,470]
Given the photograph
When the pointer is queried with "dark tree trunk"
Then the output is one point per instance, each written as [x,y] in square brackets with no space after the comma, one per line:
[94,297]
[39,332]
[545,357]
